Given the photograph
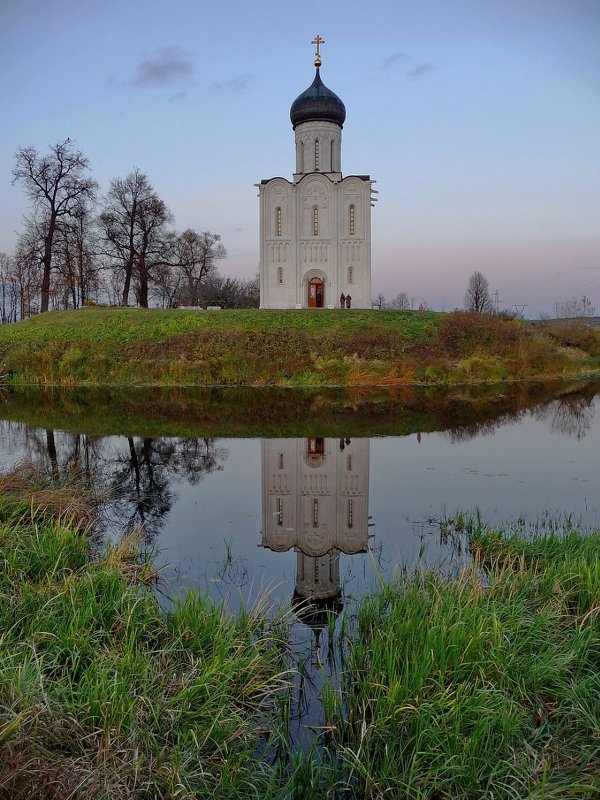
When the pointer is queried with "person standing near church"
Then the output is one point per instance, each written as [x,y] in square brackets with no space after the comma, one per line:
[342,300]
[348,301]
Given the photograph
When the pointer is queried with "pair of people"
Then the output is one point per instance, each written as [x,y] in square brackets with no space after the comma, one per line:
[345,301]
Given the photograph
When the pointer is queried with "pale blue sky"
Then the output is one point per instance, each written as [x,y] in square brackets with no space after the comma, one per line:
[479,119]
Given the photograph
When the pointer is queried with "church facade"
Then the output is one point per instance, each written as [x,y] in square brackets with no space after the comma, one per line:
[315,230]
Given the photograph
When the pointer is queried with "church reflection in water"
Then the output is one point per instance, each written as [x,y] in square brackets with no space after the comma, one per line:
[315,499]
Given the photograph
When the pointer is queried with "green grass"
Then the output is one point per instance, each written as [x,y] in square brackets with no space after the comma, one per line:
[483,684]
[284,348]
[102,694]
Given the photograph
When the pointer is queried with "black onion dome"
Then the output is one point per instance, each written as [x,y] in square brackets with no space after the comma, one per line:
[317,103]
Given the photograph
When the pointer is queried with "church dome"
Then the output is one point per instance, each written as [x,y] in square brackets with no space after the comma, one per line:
[317,103]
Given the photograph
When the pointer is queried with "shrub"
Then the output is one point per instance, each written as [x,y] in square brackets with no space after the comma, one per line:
[463,334]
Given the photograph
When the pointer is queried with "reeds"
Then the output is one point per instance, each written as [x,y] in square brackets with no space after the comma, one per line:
[103,694]
[481,685]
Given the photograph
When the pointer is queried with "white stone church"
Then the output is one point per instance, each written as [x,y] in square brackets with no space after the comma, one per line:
[315,231]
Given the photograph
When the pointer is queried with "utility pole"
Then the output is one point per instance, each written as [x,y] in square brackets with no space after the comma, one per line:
[496,302]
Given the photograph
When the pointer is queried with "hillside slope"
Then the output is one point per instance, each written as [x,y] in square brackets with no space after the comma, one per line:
[123,346]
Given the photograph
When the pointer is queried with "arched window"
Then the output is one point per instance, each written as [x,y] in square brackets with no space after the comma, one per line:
[279,274]
[280,460]
[350,274]
[315,221]
[349,463]
[351,221]
[317,155]
[278,221]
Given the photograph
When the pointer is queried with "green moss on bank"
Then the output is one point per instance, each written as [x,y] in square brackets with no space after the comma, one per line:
[122,346]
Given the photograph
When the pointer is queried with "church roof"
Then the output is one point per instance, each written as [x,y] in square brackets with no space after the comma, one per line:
[317,103]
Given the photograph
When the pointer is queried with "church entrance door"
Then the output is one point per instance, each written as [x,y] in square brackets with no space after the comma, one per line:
[316,293]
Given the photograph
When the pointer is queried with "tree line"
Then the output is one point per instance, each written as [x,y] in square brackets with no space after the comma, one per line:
[77,247]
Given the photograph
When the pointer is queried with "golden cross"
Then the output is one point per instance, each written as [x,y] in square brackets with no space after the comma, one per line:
[318,41]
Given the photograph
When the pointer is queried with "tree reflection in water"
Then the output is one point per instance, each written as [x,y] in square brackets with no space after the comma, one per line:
[571,415]
[133,477]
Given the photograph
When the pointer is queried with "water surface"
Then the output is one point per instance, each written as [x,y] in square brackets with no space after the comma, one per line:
[315,514]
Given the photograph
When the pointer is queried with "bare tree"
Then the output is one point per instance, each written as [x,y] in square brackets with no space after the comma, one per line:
[380,301]
[401,302]
[153,215]
[76,262]
[58,185]
[8,290]
[196,255]
[477,296]
[230,292]
[132,229]
[574,307]
[29,255]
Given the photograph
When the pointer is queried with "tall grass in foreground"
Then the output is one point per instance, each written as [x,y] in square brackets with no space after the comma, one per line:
[104,695]
[481,685]
[485,685]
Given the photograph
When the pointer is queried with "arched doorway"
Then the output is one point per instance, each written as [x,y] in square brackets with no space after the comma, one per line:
[316,293]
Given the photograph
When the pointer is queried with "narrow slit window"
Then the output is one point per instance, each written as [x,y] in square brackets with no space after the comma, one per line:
[315,513]
[279,274]
[280,510]
[350,274]
[315,221]
[349,463]
[280,460]
[278,221]
[331,155]
[351,221]
[301,156]
[350,513]
[317,158]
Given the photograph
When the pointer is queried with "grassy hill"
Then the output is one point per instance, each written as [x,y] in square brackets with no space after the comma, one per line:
[124,346]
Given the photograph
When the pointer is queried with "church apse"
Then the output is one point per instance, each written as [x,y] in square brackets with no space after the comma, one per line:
[315,495]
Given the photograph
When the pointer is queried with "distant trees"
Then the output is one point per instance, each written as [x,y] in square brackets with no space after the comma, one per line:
[196,255]
[401,302]
[143,255]
[67,255]
[477,296]
[59,187]
[574,307]
[231,292]
[8,290]
[76,259]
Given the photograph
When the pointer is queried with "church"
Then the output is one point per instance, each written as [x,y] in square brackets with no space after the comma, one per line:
[315,231]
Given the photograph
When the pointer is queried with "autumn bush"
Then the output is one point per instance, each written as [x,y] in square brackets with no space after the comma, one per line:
[576,333]
[463,334]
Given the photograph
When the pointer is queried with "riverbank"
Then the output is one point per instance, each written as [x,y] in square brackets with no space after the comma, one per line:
[468,685]
[121,346]
[275,412]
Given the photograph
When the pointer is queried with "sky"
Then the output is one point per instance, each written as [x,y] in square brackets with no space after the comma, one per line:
[479,120]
